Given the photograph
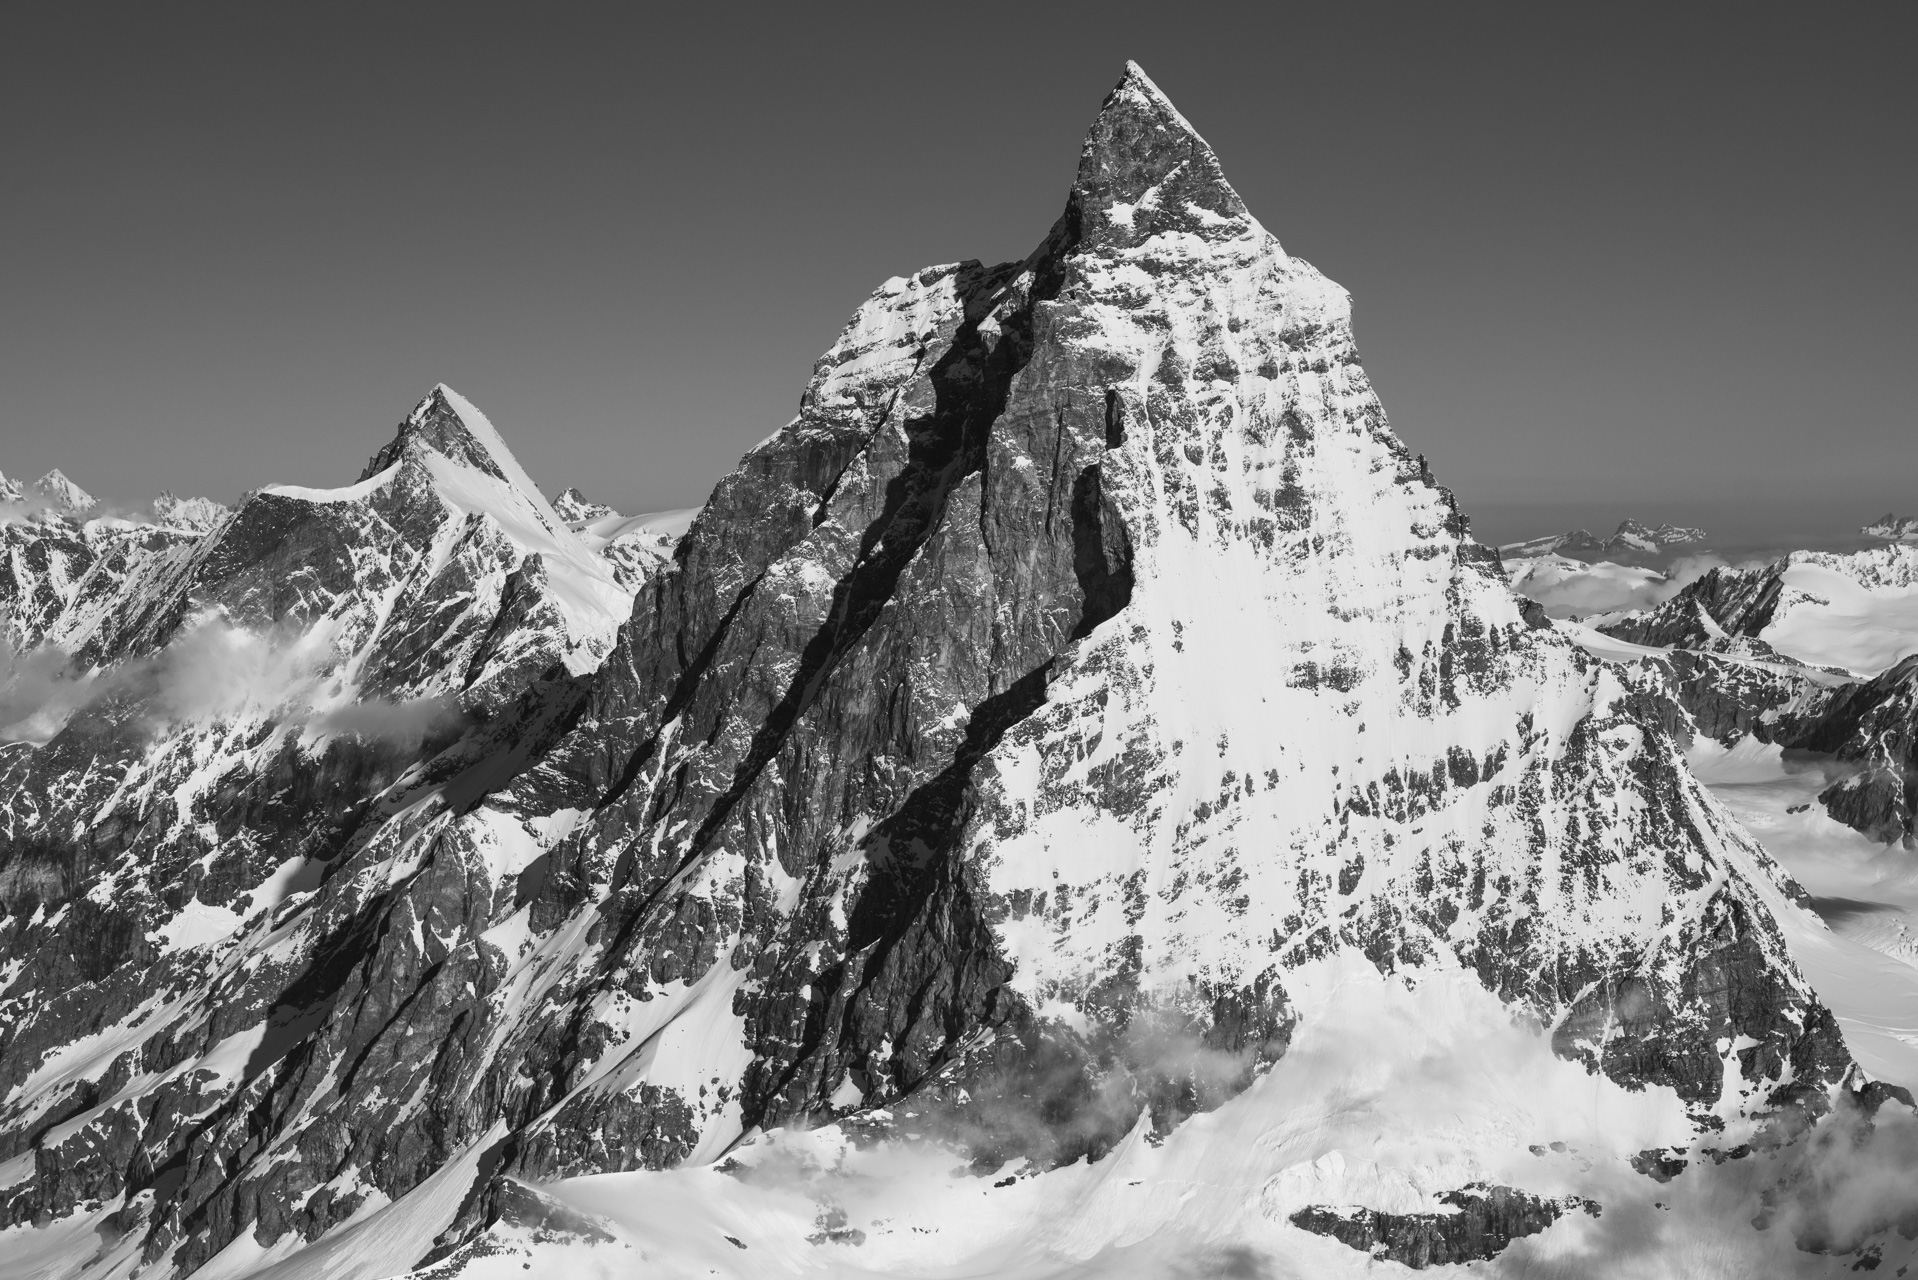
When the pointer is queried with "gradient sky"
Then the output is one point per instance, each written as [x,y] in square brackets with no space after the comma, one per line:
[1658,257]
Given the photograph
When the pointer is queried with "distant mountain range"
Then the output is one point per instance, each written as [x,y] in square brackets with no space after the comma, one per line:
[51,492]
[1632,539]
[1893,527]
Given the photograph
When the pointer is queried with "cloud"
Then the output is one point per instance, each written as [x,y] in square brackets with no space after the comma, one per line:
[37,693]
[401,723]
[209,670]
[1850,1179]
[1574,589]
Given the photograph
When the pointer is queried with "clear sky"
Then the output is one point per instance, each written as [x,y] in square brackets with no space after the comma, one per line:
[1653,256]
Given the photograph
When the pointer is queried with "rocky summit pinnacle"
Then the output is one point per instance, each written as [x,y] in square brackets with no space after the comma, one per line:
[1081,757]
[437,423]
[1145,171]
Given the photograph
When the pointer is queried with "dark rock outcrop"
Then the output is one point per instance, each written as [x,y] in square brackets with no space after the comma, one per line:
[1484,1219]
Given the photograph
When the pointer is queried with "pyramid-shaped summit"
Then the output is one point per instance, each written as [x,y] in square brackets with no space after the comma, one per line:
[1145,170]
[62,494]
[1083,740]
[447,423]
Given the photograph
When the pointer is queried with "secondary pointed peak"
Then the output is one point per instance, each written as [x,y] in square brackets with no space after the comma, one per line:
[1145,170]
[62,494]
[450,425]
[447,423]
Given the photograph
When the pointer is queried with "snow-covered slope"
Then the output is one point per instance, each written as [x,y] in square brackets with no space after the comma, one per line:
[1076,801]
[635,546]
[198,515]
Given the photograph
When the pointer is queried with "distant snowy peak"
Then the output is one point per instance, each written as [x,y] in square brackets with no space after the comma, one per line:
[446,459]
[1652,538]
[635,546]
[447,424]
[61,494]
[1630,538]
[197,515]
[573,507]
[1893,527]
[1558,544]
[437,424]
[52,492]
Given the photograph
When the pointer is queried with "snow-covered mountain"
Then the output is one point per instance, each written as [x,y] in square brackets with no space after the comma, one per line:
[1632,541]
[61,494]
[52,493]
[197,515]
[1894,527]
[1075,801]
[1814,651]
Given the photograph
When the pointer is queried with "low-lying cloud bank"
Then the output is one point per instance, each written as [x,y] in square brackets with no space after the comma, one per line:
[210,669]
[1574,589]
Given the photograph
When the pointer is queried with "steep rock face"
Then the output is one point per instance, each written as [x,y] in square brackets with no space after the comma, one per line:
[1724,602]
[1874,725]
[1083,664]
[1483,1221]
[56,574]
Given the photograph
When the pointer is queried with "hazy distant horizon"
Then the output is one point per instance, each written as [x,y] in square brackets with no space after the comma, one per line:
[1755,529]
[1735,530]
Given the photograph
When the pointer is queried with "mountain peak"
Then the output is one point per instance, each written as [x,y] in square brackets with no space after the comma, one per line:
[1893,527]
[1144,170]
[62,494]
[447,423]
[573,507]
[197,514]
